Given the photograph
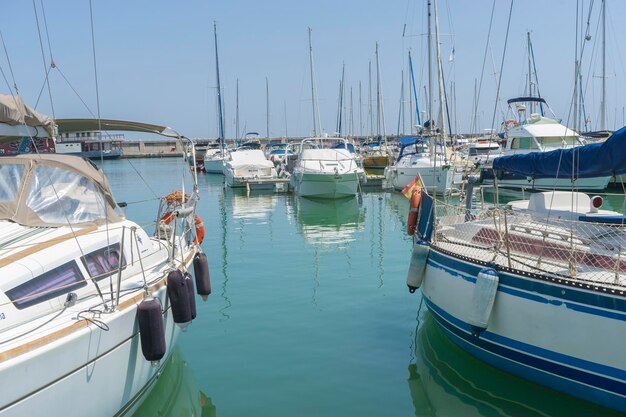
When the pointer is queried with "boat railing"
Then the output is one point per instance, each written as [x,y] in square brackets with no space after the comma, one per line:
[587,252]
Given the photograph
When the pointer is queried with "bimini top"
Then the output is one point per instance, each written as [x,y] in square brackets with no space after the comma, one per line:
[14,112]
[52,190]
[595,160]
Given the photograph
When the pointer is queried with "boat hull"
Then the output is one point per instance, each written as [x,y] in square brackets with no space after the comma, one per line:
[328,186]
[97,371]
[214,166]
[375,165]
[562,336]
[440,177]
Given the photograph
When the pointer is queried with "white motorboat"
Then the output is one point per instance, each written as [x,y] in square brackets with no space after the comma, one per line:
[86,323]
[415,159]
[325,168]
[214,158]
[537,133]
[536,288]
[249,168]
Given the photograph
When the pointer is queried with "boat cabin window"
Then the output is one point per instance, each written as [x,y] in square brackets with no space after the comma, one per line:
[523,143]
[103,262]
[60,196]
[60,280]
[10,179]
[557,142]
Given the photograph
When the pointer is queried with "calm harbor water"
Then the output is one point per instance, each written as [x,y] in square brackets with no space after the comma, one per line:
[310,314]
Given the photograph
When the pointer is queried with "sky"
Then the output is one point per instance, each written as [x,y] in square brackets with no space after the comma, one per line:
[155,60]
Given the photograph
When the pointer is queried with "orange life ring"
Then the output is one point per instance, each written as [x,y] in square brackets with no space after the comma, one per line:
[510,123]
[414,204]
[199,230]
[199,226]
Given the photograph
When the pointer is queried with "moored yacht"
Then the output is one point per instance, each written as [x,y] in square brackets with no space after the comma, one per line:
[325,168]
[90,304]
[249,167]
[536,288]
[533,132]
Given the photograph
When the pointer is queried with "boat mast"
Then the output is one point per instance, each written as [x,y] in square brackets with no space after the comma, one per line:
[220,139]
[442,98]
[237,111]
[603,103]
[379,105]
[267,107]
[313,101]
[530,72]
[369,99]
[430,76]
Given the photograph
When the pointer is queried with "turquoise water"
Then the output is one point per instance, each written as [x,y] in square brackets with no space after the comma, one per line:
[310,314]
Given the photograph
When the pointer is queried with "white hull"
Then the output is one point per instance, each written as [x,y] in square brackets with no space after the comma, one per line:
[325,185]
[399,177]
[568,337]
[97,371]
[214,166]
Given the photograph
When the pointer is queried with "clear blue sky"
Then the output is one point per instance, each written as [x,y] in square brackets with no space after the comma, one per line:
[155,59]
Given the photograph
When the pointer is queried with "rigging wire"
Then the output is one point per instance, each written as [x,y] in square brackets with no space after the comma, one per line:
[474,128]
[506,38]
[43,58]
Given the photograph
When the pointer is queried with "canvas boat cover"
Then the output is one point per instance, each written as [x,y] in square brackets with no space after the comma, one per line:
[594,160]
[51,190]
[249,159]
[13,111]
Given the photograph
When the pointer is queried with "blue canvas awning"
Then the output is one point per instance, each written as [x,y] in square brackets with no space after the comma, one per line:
[595,160]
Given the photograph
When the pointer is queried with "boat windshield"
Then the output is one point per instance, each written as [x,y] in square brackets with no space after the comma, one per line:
[558,142]
[60,196]
[53,191]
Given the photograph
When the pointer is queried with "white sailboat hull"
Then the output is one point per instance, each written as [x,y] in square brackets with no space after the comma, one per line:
[93,370]
[440,177]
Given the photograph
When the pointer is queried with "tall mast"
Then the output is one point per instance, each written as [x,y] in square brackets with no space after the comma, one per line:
[360,111]
[442,97]
[237,112]
[603,103]
[530,72]
[430,67]
[369,100]
[313,101]
[219,89]
[267,107]
[380,106]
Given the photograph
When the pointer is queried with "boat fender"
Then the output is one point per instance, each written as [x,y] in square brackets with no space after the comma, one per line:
[414,204]
[199,230]
[151,329]
[417,266]
[483,297]
[179,298]
[201,271]
[192,296]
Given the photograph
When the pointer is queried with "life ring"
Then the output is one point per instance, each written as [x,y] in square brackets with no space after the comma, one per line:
[414,204]
[199,230]
[510,123]
[199,226]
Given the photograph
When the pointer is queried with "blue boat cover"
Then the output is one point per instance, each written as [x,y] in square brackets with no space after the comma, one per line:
[339,145]
[594,160]
[410,140]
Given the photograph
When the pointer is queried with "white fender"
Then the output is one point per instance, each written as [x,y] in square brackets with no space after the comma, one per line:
[483,297]
[417,267]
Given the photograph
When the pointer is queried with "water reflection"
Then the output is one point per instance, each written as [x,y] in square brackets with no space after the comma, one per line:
[447,381]
[329,224]
[176,393]
[258,206]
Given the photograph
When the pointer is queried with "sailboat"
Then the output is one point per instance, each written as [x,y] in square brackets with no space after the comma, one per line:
[92,304]
[376,155]
[215,155]
[325,167]
[426,156]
